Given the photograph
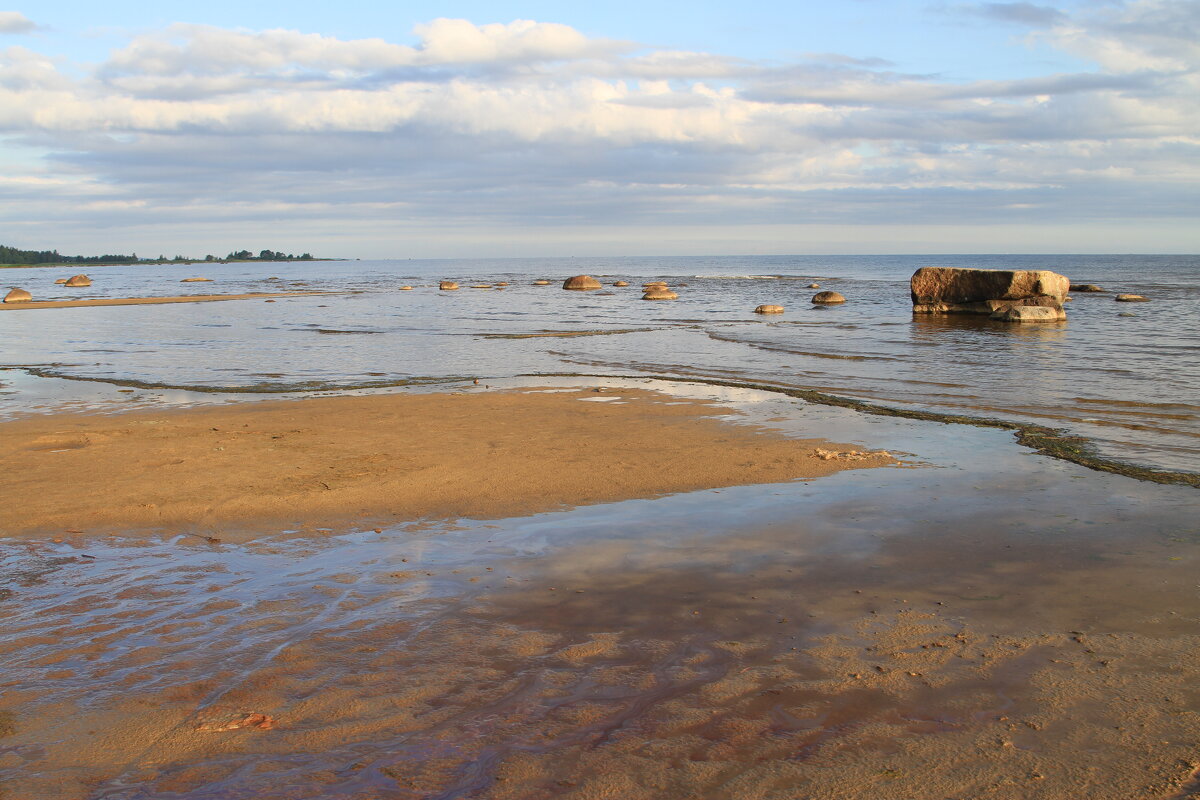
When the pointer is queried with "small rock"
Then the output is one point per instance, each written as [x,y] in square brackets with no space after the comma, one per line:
[196,280]
[447,286]
[814,286]
[18,296]
[78,280]
[1127,314]
[1131,298]
[61,280]
[582,283]
[481,286]
[502,283]
[541,283]
[655,284]
[621,283]
[769,310]
[406,288]
[1085,287]
[660,294]
[827,298]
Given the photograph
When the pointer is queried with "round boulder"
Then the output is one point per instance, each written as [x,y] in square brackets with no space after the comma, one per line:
[581,283]
[659,294]
[828,298]
[769,310]
[78,280]
[18,296]
[1131,298]
[447,286]
[621,283]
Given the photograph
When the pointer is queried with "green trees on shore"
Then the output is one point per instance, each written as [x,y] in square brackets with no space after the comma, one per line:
[12,255]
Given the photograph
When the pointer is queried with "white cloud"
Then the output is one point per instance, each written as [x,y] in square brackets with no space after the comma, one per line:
[476,124]
[15,22]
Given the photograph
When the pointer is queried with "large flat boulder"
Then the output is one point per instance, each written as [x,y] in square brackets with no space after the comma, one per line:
[950,290]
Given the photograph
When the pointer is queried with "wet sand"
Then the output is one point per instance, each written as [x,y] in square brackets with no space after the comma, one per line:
[143,301]
[236,470]
[992,625]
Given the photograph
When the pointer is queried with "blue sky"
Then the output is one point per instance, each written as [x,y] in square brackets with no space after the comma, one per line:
[473,129]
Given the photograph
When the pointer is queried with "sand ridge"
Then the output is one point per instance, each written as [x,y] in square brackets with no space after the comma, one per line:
[145,301]
[233,470]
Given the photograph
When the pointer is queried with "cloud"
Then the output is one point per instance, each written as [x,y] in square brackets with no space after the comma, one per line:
[1019,13]
[16,22]
[535,124]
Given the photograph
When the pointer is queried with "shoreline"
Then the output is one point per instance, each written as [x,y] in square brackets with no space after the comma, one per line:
[357,461]
[149,301]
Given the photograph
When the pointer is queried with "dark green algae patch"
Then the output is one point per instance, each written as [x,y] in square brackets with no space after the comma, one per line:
[256,388]
[1051,442]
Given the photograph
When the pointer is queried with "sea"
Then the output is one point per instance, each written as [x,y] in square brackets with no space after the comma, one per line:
[1126,376]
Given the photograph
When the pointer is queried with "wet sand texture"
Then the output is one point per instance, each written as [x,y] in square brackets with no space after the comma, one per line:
[352,460]
[144,301]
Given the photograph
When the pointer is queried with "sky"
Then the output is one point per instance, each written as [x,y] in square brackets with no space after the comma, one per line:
[486,129]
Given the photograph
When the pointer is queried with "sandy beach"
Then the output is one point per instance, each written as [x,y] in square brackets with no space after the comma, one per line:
[233,565]
[336,461]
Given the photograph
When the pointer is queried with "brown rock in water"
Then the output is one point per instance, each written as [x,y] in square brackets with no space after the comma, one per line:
[659,294]
[828,298]
[196,280]
[653,284]
[582,283]
[541,283]
[621,283]
[78,280]
[502,283]
[950,290]
[481,286]
[769,310]
[814,286]
[18,296]
[1031,314]
[1085,287]
[1131,298]
[447,286]
[61,280]
[406,288]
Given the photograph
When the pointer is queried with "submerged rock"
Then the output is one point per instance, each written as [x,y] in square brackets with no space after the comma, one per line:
[582,283]
[1086,287]
[1131,298]
[769,310]
[814,286]
[659,294]
[951,290]
[1031,314]
[406,288]
[196,280]
[78,280]
[621,283]
[541,283]
[18,296]
[828,298]
[447,286]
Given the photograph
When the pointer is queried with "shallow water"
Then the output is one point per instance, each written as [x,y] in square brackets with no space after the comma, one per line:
[1129,383]
[767,641]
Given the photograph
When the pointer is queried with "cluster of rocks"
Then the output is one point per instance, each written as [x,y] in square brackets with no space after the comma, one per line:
[1009,295]
[16,295]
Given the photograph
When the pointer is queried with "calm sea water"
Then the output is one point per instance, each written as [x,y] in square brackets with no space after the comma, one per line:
[1126,376]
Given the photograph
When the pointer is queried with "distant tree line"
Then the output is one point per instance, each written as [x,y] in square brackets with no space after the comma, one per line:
[11,255]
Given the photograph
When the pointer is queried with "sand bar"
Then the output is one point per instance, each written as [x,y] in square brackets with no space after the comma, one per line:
[147,301]
[261,466]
